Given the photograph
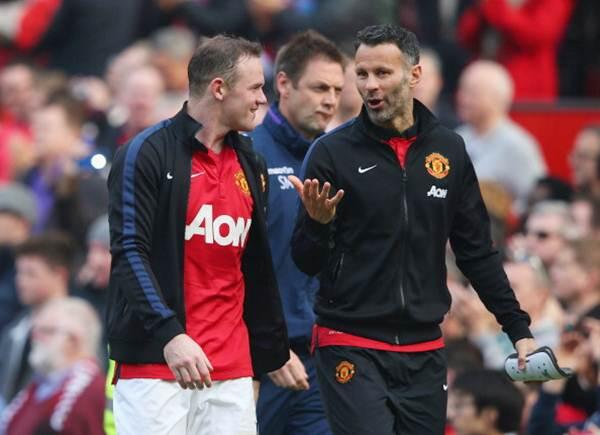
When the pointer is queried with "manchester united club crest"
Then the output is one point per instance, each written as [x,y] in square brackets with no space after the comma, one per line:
[344,372]
[437,165]
[241,182]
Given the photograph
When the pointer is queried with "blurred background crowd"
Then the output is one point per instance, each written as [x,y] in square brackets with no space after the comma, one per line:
[518,79]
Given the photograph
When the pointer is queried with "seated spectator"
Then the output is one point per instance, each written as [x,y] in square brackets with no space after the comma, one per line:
[583,159]
[524,36]
[500,149]
[484,402]
[18,213]
[43,270]
[430,86]
[66,395]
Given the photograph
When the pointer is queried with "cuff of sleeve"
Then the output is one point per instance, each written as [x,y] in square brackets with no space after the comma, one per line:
[518,331]
[169,329]
[317,229]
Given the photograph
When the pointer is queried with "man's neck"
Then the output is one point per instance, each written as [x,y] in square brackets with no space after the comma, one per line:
[212,134]
[283,108]
[487,124]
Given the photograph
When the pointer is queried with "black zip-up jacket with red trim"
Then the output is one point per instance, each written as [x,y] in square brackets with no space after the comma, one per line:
[382,259]
[149,185]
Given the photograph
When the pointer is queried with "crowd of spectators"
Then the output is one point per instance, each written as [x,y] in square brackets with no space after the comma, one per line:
[79,78]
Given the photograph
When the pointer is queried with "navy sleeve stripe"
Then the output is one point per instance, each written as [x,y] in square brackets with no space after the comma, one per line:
[129,230]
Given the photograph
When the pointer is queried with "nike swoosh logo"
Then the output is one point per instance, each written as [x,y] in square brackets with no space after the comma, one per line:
[445,387]
[169,176]
[362,170]
[197,174]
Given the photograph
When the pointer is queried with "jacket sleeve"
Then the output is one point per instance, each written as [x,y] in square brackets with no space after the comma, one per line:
[133,189]
[470,238]
[310,241]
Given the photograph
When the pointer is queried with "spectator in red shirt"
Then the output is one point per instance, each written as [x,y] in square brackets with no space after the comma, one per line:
[524,36]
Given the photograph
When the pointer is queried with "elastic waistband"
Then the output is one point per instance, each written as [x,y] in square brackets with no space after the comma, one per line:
[323,336]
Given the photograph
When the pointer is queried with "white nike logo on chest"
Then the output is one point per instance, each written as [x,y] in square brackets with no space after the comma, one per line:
[362,170]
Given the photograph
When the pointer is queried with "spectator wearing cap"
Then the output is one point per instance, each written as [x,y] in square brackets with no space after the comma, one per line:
[43,265]
[66,395]
[17,216]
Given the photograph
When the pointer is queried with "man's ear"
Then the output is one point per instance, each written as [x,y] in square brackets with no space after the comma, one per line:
[218,88]
[282,84]
[415,75]
[490,415]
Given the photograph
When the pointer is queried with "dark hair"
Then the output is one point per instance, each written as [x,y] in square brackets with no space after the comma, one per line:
[378,34]
[491,388]
[218,57]
[293,57]
[73,108]
[54,248]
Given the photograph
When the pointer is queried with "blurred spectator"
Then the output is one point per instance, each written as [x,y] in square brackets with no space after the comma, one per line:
[337,20]
[484,402]
[209,17]
[585,170]
[69,196]
[66,395]
[429,87]
[532,291]
[585,210]
[173,49]
[350,100]
[547,229]
[135,56]
[575,276]
[93,277]
[498,203]
[76,36]
[572,406]
[550,188]
[17,215]
[580,53]
[524,36]
[138,100]
[17,101]
[43,270]
[463,357]
[501,150]
[435,25]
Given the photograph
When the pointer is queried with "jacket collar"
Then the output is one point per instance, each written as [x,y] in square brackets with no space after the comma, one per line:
[283,132]
[424,121]
[186,127]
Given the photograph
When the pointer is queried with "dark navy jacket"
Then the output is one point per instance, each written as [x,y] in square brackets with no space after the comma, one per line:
[284,149]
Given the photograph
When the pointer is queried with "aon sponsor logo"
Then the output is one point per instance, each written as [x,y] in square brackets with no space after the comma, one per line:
[436,192]
[222,230]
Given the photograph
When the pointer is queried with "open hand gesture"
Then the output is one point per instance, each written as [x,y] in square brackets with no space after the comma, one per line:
[318,205]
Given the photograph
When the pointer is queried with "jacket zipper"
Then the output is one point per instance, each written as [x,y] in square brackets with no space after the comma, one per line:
[404,233]
[338,270]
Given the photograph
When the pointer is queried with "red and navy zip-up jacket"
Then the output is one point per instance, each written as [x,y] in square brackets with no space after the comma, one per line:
[382,260]
[149,185]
